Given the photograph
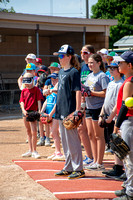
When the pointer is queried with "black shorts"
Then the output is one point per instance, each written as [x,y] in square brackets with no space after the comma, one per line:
[93,113]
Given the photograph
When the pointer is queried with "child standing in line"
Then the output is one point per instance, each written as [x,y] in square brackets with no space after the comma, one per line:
[30,100]
[68,101]
[53,128]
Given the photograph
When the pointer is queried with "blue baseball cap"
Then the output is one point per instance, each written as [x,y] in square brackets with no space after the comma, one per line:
[127,56]
[30,66]
[113,64]
[53,75]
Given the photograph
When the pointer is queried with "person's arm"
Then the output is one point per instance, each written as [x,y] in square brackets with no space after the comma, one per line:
[22,108]
[112,115]
[20,82]
[39,106]
[78,100]
[44,106]
[98,93]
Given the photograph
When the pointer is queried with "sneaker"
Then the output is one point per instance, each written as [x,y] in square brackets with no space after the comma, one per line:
[59,157]
[53,146]
[95,166]
[124,197]
[120,193]
[77,174]
[63,173]
[47,141]
[52,156]
[116,172]
[35,154]
[122,178]
[27,154]
[87,161]
[108,152]
[41,142]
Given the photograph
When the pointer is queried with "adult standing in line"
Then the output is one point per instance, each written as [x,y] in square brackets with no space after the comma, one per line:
[97,82]
[86,52]
[68,101]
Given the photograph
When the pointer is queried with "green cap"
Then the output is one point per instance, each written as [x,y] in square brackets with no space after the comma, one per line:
[55,64]
[112,53]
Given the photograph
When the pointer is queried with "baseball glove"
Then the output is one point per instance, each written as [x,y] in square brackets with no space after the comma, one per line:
[119,146]
[44,119]
[42,80]
[70,122]
[103,122]
[33,116]
[85,91]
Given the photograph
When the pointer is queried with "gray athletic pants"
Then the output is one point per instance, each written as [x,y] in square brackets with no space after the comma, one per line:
[72,148]
[127,135]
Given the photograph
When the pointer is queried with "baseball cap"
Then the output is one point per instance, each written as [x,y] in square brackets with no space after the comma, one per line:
[53,75]
[127,56]
[112,53]
[65,49]
[113,64]
[42,68]
[55,64]
[30,66]
[104,51]
[31,56]
[39,60]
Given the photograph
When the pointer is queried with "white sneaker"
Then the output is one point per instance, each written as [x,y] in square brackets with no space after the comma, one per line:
[27,154]
[59,157]
[91,166]
[53,146]
[100,167]
[52,156]
[47,142]
[35,154]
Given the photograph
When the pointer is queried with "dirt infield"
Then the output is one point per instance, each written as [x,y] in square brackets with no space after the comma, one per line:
[15,183]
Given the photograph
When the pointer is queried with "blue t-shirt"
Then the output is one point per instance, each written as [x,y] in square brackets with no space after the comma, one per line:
[48,82]
[51,101]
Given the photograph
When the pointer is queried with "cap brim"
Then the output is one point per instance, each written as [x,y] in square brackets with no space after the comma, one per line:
[118,58]
[41,70]
[57,53]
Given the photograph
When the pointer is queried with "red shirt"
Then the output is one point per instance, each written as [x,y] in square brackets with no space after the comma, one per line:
[30,98]
[119,99]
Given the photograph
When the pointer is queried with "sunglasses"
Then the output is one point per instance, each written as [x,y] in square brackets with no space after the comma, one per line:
[85,52]
[112,68]
[61,56]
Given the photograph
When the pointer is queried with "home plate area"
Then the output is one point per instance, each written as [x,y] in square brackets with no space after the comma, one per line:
[93,186]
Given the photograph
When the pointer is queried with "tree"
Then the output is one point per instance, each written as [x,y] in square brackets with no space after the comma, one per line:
[4,9]
[122,10]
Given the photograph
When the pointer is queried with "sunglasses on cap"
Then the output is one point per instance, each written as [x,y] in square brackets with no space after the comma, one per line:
[112,68]
[84,52]
[27,80]
[61,56]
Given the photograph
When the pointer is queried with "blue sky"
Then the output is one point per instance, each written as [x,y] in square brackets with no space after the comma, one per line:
[65,8]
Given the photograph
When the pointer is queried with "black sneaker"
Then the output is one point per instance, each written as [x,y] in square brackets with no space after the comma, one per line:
[122,178]
[77,174]
[117,171]
[63,173]
[120,193]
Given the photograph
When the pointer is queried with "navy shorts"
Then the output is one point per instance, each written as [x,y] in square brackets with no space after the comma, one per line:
[93,113]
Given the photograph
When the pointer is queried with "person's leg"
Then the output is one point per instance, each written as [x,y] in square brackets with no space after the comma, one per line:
[99,135]
[92,138]
[55,135]
[34,134]
[127,135]
[68,165]
[29,134]
[82,131]
[47,130]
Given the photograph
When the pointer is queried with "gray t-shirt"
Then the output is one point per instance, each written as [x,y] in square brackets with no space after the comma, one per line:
[111,95]
[96,82]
